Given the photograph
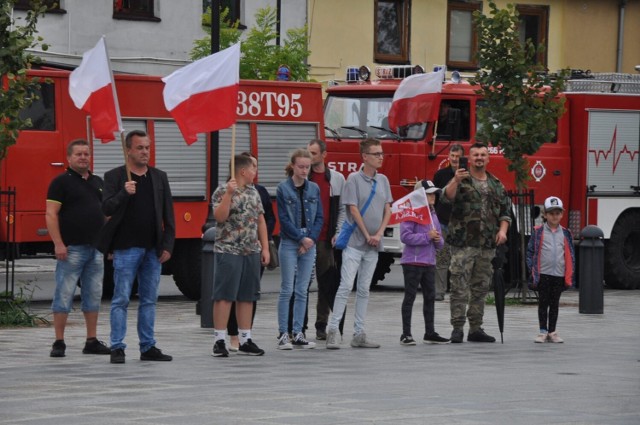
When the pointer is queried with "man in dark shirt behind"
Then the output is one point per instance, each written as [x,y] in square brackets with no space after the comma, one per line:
[140,234]
[74,218]
[443,257]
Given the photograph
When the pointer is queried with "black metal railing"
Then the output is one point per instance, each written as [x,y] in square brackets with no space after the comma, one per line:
[7,244]
[523,216]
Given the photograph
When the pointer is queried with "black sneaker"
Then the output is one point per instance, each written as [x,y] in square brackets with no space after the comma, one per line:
[249,348]
[301,342]
[117,355]
[58,348]
[321,335]
[155,355]
[480,336]
[457,336]
[407,340]
[94,346]
[434,338]
[220,349]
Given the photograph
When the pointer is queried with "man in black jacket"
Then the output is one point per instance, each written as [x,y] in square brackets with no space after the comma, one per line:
[140,233]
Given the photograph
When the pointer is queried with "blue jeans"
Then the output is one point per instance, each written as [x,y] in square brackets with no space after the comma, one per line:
[296,273]
[127,265]
[362,263]
[84,263]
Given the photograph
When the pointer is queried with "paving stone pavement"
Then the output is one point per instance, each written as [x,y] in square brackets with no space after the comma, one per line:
[593,378]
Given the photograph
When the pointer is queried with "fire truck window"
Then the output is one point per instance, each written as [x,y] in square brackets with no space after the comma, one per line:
[453,121]
[42,111]
[357,117]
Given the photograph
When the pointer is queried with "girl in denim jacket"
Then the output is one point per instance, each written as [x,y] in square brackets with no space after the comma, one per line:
[300,215]
[419,268]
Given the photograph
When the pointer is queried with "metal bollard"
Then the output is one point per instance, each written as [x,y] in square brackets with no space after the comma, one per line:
[591,270]
[206,285]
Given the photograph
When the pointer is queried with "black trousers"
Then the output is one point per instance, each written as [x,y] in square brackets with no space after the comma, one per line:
[414,276]
[549,290]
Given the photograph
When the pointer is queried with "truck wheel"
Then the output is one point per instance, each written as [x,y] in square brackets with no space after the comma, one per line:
[622,254]
[385,260]
[186,263]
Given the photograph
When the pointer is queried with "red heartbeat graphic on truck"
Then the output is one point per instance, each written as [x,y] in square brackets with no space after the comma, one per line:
[612,149]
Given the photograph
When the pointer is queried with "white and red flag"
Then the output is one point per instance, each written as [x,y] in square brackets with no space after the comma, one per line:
[92,89]
[412,207]
[416,100]
[203,96]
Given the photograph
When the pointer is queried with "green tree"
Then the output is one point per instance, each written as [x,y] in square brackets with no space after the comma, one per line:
[261,57]
[522,103]
[15,61]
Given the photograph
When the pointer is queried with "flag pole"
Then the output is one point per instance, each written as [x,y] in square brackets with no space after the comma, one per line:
[126,158]
[233,151]
[118,116]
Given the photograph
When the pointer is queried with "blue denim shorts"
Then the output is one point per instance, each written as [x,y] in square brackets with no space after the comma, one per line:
[236,277]
[84,263]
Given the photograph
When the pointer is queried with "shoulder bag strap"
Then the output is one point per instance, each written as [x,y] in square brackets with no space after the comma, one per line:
[366,205]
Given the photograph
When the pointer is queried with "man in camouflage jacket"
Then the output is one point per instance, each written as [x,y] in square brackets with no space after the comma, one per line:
[479,222]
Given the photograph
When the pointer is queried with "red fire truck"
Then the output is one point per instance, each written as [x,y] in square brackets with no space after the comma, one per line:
[273,118]
[592,164]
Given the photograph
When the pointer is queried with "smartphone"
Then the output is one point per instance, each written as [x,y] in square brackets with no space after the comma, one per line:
[464,163]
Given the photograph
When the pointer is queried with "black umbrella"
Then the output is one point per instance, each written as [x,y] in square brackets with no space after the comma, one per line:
[498,285]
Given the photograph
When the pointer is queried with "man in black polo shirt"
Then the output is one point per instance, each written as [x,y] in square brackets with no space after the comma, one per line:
[140,233]
[74,218]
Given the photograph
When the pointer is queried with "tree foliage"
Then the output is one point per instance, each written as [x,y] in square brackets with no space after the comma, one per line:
[522,104]
[19,90]
[261,57]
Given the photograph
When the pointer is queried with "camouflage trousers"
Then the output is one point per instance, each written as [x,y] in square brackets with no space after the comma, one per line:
[471,273]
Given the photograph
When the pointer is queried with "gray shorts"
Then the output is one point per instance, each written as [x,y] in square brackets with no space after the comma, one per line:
[236,277]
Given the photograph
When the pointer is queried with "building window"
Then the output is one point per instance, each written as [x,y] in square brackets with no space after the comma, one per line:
[53,6]
[136,10]
[392,28]
[534,23]
[462,40]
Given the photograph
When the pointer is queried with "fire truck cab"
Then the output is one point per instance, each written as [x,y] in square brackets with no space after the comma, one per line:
[592,163]
[273,117]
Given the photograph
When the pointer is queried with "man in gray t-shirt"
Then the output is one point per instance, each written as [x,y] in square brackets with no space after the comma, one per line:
[361,254]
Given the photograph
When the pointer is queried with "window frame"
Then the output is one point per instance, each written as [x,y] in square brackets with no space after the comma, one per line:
[131,15]
[466,7]
[542,12]
[405,30]
[24,5]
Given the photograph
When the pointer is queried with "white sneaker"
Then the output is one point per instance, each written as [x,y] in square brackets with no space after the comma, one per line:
[332,339]
[542,337]
[553,337]
[284,343]
[360,341]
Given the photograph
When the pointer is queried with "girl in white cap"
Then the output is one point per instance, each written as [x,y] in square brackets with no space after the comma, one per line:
[551,259]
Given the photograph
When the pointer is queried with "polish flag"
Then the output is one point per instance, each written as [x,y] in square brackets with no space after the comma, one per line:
[412,207]
[416,100]
[92,90]
[203,96]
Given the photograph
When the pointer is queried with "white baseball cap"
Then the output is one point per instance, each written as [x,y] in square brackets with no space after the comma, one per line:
[429,187]
[553,203]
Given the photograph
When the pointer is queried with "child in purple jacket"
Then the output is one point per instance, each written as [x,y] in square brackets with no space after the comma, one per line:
[418,266]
